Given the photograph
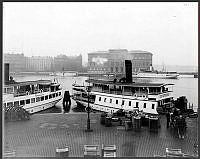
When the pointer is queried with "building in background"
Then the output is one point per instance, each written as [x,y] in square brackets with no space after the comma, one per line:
[112,61]
[16,62]
[20,63]
[68,63]
[39,64]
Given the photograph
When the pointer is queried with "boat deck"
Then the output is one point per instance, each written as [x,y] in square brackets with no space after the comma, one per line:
[39,136]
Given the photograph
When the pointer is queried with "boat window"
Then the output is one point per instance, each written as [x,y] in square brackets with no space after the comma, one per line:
[59,93]
[110,100]
[46,97]
[10,104]
[99,98]
[50,96]
[129,103]
[16,103]
[4,104]
[145,104]
[37,99]
[54,95]
[116,101]
[122,102]
[28,101]
[153,106]
[137,104]
[22,102]
[104,99]
[32,100]
[42,98]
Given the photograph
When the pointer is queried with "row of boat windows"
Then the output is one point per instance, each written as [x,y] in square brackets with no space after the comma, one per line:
[129,103]
[32,100]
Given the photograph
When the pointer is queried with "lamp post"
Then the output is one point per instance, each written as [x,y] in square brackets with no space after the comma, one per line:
[88,109]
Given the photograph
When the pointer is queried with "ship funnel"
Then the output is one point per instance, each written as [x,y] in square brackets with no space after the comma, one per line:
[128,69]
[6,73]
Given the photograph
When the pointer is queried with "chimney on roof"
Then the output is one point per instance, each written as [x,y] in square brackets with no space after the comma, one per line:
[128,69]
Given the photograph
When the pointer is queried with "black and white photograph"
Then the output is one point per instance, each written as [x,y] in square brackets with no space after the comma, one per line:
[100,79]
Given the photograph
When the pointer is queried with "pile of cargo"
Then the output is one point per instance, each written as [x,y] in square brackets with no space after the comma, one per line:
[15,114]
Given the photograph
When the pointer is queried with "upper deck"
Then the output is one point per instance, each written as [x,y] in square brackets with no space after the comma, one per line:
[152,90]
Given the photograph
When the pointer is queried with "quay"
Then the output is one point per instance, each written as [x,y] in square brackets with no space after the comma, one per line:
[43,133]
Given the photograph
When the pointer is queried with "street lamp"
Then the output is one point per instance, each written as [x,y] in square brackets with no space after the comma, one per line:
[88,110]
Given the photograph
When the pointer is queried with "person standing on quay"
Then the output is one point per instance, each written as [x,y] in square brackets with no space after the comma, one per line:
[181,125]
[168,118]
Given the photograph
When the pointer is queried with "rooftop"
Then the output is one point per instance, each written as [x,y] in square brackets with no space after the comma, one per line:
[30,83]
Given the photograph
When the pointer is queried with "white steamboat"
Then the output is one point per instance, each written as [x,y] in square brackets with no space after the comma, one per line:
[109,96]
[33,96]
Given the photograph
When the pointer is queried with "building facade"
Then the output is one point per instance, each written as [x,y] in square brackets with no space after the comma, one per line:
[67,63]
[113,61]
[39,64]
[16,62]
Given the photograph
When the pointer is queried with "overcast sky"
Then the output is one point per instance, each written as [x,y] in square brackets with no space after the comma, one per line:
[168,30]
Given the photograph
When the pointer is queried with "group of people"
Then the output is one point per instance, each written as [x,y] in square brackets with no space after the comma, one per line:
[176,120]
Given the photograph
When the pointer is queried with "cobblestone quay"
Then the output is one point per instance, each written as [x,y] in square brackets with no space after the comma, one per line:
[43,133]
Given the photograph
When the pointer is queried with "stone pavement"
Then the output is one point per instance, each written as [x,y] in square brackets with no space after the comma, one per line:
[39,136]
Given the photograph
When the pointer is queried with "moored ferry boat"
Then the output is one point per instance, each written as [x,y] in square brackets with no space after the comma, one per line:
[33,96]
[150,74]
[110,96]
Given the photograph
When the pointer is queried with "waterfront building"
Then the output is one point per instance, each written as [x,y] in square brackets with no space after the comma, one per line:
[67,63]
[16,62]
[38,63]
[112,61]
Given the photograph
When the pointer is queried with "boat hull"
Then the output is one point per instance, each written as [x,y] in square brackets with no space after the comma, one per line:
[163,76]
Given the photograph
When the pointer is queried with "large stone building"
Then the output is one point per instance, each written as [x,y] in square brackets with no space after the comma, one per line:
[112,61]
[68,63]
[16,62]
[20,63]
[39,64]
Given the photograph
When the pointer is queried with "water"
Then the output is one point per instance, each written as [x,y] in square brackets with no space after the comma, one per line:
[184,86]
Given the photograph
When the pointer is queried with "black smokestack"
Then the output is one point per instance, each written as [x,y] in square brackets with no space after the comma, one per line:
[6,72]
[128,69]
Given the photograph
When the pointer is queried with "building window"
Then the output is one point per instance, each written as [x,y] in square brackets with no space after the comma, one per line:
[122,102]
[111,69]
[22,102]
[28,101]
[42,98]
[129,103]
[104,99]
[153,106]
[37,99]
[116,68]
[32,100]
[110,100]
[99,98]
[16,103]
[137,104]
[116,101]
[145,104]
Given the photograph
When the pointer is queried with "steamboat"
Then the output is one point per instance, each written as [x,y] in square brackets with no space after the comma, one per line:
[110,96]
[33,96]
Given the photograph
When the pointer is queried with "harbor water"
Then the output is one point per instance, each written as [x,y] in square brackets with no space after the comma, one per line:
[183,86]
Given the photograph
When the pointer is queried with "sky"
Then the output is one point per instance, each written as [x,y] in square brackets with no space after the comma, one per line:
[169,30]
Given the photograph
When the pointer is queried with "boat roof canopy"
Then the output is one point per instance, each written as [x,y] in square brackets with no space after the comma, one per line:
[41,82]
[127,84]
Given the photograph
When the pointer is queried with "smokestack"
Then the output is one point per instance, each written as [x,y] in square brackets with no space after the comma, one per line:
[6,72]
[128,69]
